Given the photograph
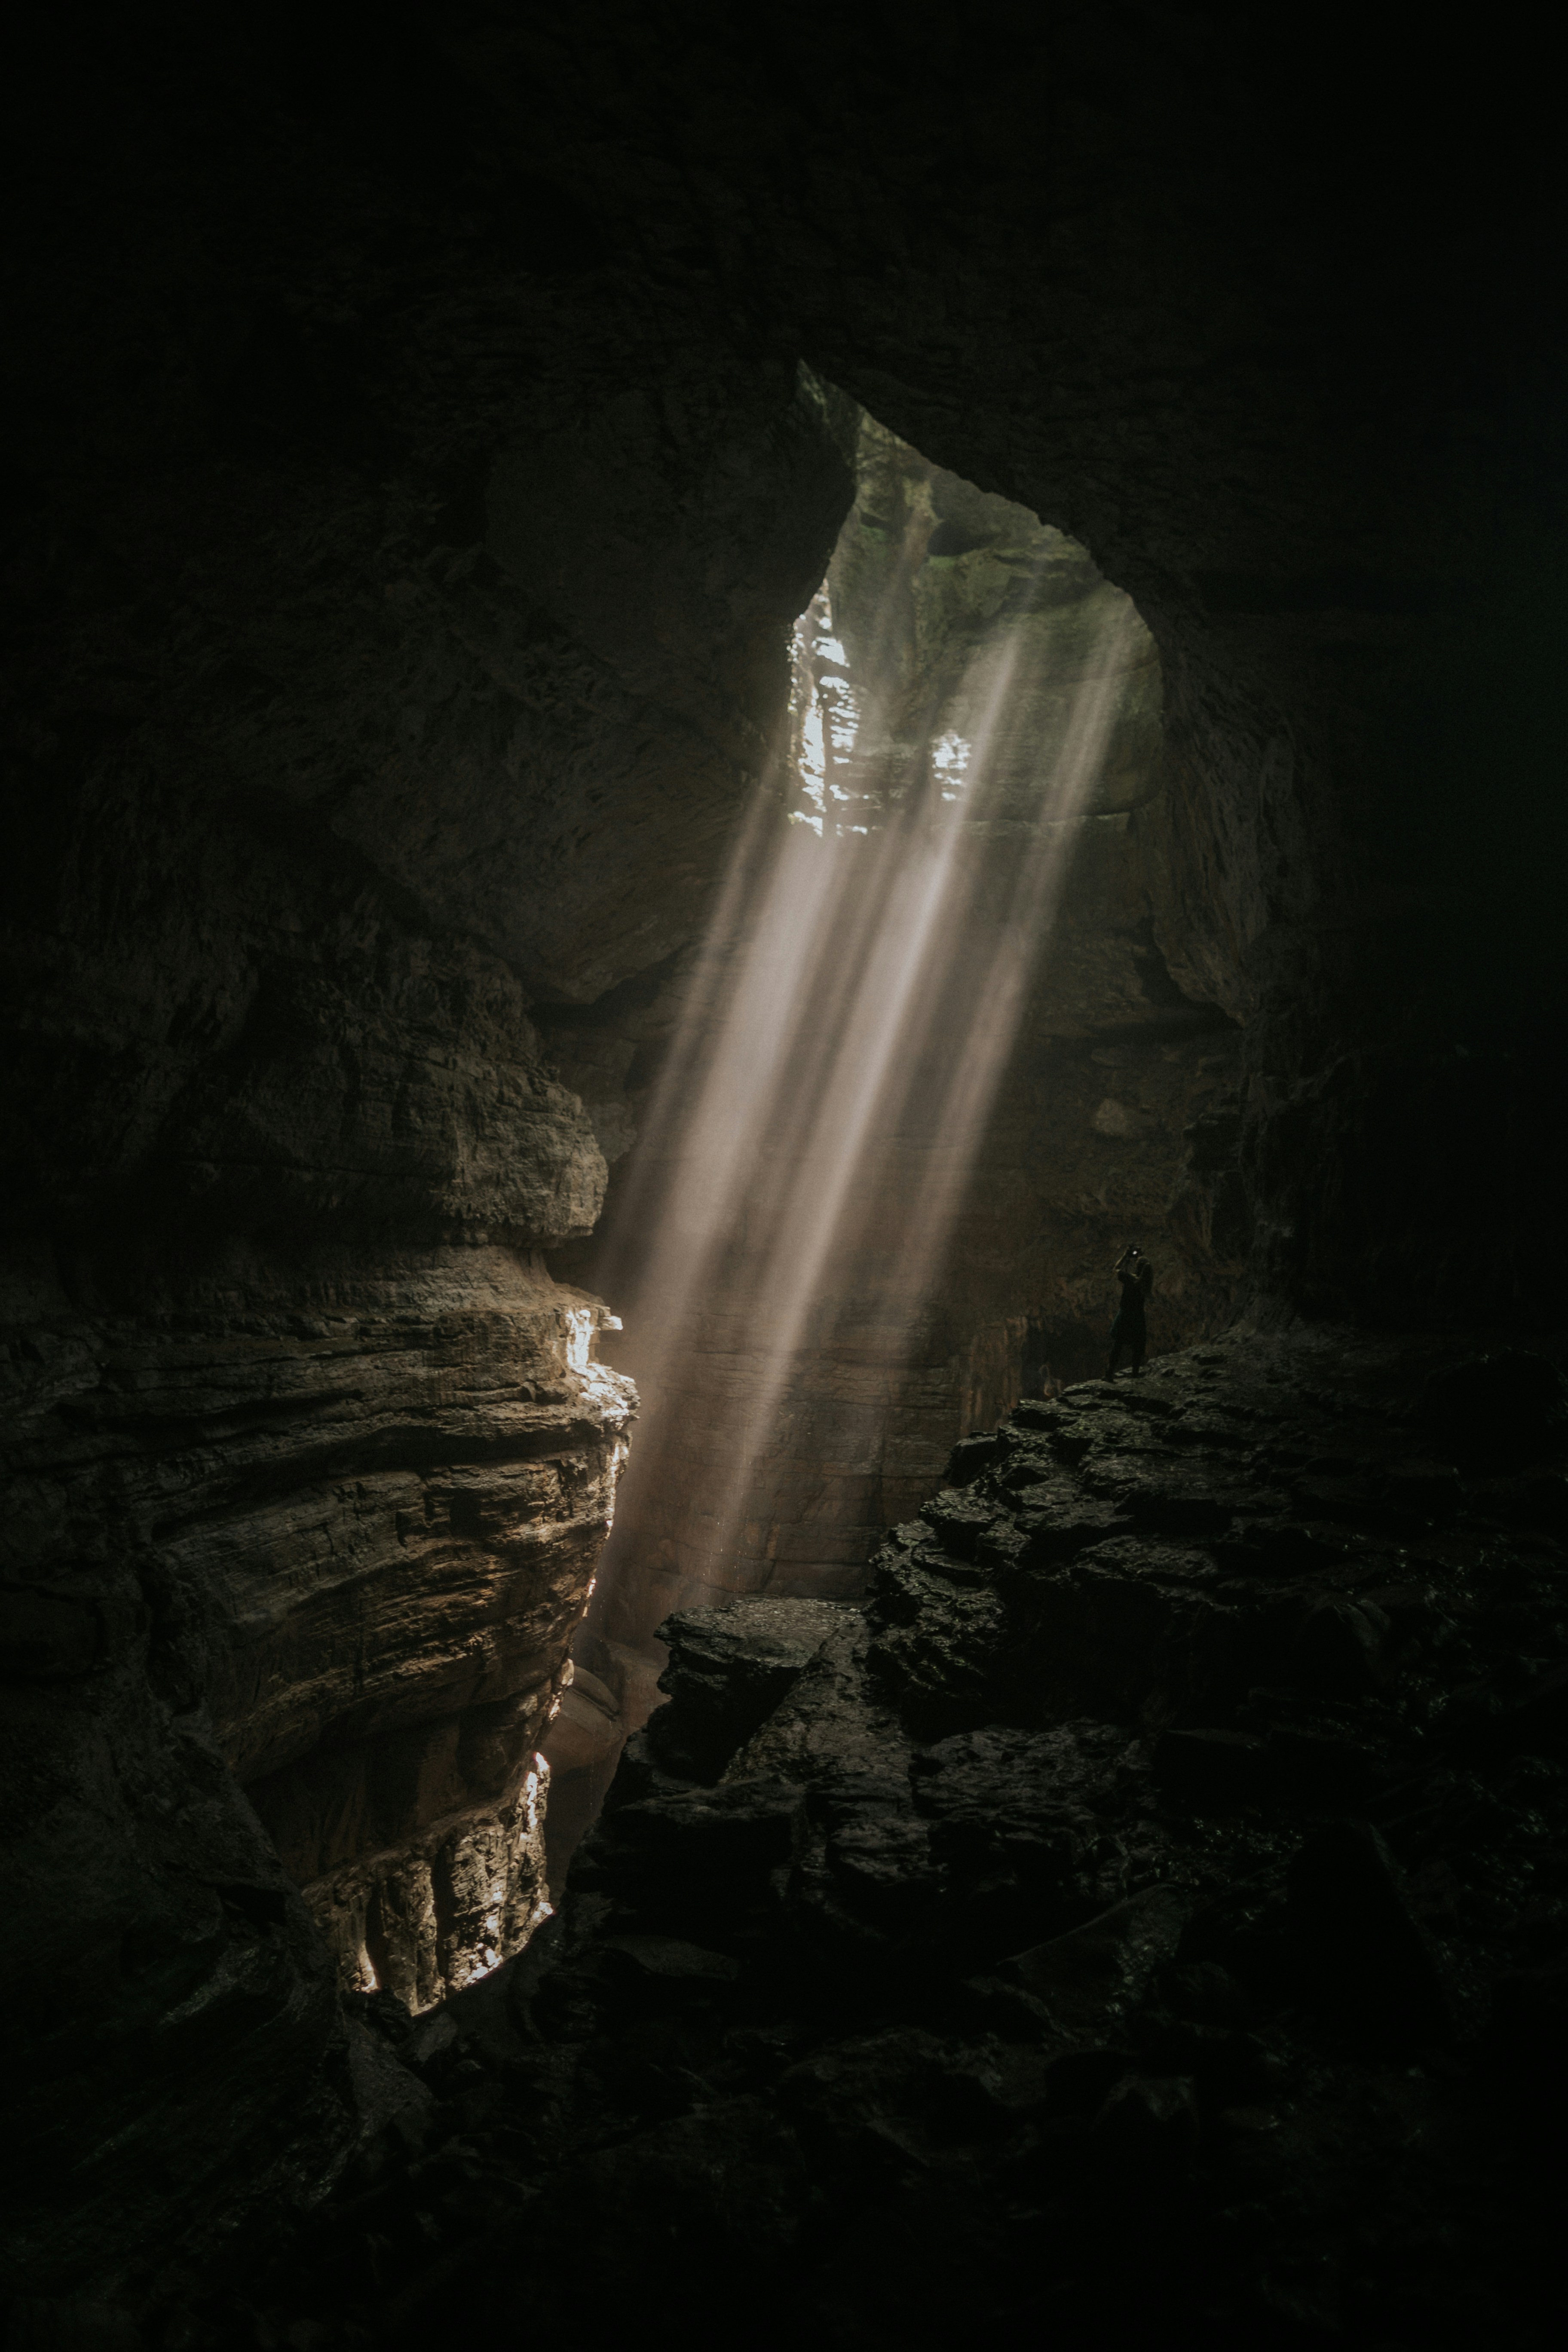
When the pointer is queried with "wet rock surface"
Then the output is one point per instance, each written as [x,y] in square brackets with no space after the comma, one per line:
[1151,1937]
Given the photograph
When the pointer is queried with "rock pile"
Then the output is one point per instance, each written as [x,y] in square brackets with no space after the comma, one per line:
[1147,1919]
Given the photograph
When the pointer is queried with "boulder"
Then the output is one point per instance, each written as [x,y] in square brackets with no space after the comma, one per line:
[729,1669]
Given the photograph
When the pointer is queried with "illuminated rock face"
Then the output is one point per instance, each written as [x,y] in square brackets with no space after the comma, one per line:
[391,1642]
[327,1556]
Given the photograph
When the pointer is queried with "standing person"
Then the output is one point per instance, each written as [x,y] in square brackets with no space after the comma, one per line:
[1129,1333]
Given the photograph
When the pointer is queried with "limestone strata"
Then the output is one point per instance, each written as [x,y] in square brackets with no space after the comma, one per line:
[332,1556]
[439,1910]
[396,1644]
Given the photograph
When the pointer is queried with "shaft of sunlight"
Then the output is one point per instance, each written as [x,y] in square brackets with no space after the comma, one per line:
[958,1119]
[909,971]
[849,1018]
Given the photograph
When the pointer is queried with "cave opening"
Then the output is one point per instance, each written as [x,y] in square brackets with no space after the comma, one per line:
[935,939]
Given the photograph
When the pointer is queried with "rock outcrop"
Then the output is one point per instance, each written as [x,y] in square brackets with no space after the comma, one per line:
[394,1643]
[287,1603]
[1143,1918]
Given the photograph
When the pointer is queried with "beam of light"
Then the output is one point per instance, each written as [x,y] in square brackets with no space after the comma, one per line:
[904,989]
[958,1115]
[858,995]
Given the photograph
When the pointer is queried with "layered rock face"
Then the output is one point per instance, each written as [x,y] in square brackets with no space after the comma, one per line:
[327,1558]
[398,1640]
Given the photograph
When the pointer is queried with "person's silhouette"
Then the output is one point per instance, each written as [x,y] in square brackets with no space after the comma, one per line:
[1129,1333]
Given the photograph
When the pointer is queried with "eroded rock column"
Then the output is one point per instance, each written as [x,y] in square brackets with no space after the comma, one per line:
[392,1643]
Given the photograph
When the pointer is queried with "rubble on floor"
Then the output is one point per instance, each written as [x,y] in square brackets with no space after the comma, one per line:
[1145,1920]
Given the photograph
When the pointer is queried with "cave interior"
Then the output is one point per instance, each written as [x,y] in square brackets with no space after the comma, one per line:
[695,708]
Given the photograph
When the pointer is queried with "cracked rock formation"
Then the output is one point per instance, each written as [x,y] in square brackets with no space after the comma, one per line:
[1143,1918]
[347,727]
[286,1606]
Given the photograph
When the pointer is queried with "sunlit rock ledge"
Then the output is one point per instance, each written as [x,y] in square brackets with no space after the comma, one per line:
[318,1566]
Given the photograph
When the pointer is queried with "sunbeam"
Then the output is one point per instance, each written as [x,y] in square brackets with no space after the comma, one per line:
[849,1018]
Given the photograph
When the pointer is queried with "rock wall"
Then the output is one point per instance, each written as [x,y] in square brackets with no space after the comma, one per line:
[394,1640]
[347,722]
[327,1558]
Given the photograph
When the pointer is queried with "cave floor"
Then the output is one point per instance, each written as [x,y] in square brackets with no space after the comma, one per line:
[1146,1920]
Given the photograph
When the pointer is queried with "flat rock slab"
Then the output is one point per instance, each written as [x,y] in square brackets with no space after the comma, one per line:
[729,1669]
